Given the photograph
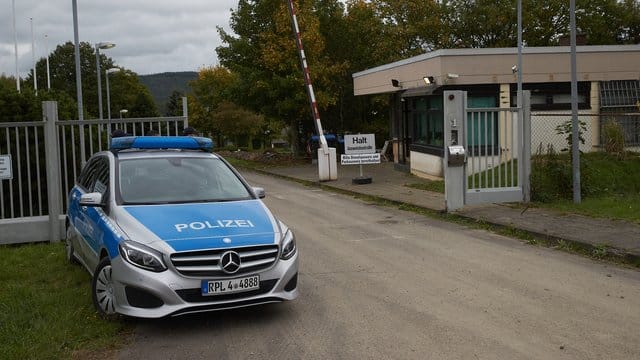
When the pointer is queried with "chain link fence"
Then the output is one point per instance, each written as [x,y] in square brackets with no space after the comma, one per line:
[553,130]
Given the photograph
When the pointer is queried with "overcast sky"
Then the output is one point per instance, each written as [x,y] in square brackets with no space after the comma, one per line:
[151,36]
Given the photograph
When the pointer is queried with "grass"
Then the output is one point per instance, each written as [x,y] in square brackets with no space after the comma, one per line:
[429,185]
[504,175]
[617,207]
[45,306]
[610,186]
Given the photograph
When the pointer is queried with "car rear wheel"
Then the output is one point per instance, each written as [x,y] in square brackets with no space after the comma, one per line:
[102,289]
[71,257]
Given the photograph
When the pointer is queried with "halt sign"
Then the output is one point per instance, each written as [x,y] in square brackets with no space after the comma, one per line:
[360,144]
[360,149]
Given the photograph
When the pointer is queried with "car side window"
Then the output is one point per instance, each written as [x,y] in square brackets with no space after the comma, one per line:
[101,184]
[87,175]
[96,172]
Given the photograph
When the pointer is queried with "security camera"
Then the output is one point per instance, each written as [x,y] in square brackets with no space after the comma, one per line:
[514,69]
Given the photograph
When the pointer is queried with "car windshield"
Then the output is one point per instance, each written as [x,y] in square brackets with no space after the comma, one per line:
[178,180]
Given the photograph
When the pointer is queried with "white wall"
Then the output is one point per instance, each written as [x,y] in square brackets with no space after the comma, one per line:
[426,165]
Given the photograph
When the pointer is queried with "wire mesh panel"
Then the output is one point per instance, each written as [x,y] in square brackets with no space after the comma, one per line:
[552,131]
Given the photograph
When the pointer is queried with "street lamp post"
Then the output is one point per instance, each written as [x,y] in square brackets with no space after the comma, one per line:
[106,75]
[33,59]
[48,73]
[123,111]
[101,45]
[15,40]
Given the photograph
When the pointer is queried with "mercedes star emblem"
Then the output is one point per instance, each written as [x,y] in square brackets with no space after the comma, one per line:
[230,262]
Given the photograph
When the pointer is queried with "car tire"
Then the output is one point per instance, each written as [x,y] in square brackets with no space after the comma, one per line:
[102,290]
[69,249]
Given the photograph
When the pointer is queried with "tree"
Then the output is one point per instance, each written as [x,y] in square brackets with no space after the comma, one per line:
[237,123]
[174,105]
[480,23]
[26,106]
[600,20]
[128,93]
[630,30]
[263,56]
[63,79]
[211,88]
[411,27]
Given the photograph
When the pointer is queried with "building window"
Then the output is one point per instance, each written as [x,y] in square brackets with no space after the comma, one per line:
[619,95]
[426,114]
[620,101]
[554,96]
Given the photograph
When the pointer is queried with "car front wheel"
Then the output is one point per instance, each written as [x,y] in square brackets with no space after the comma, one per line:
[71,257]
[102,289]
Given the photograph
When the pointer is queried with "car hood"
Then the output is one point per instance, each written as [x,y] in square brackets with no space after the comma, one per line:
[188,227]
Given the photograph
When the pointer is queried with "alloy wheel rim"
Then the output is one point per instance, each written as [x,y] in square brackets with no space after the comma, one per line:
[104,291]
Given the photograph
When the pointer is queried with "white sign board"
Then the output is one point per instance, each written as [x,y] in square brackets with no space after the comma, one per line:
[5,167]
[359,144]
[360,159]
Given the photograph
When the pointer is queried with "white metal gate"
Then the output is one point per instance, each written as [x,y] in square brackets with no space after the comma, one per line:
[46,158]
[497,143]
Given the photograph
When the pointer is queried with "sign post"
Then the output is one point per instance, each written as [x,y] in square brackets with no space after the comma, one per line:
[358,150]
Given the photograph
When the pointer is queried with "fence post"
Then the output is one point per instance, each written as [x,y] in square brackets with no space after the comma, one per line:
[50,117]
[455,118]
[526,146]
[185,111]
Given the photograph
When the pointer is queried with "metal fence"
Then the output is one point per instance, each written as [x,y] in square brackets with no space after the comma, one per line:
[46,158]
[546,130]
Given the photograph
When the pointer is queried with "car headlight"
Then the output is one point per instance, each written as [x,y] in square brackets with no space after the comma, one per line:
[288,245]
[142,256]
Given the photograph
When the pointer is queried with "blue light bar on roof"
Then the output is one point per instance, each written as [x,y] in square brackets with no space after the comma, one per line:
[162,142]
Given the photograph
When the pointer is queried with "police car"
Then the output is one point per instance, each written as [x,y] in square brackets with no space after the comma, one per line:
[166,227]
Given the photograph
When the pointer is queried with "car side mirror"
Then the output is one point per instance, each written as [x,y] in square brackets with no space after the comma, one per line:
[259,192]
[91,199]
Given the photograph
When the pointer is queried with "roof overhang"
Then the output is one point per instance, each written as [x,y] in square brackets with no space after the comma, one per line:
[495,66]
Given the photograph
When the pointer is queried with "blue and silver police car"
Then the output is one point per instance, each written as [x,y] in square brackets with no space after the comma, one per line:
[166,227]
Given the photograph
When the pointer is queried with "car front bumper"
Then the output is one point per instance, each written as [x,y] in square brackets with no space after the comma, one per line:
[146,294]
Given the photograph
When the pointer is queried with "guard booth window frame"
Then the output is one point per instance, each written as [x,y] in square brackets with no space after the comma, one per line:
[482,126]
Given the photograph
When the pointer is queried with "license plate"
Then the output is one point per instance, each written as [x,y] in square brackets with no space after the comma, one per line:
[229,286]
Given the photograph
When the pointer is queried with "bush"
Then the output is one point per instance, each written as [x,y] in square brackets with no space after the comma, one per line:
[613,138]
[601,174]
[551,176]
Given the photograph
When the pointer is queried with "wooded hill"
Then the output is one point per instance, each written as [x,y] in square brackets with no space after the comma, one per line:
[162,85]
